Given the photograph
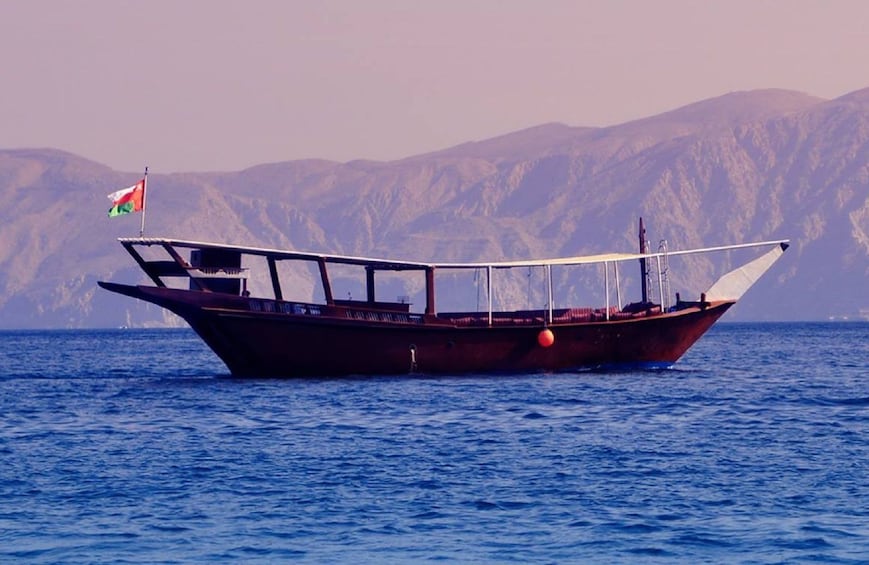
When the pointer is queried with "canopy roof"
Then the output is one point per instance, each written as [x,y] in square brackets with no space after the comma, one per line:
[401,265]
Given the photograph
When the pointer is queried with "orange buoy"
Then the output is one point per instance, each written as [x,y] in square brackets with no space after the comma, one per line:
[545,338]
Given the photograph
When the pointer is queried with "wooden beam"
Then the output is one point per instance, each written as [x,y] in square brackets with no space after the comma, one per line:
[276,283]
[324,279]
[180,260]
[429,291]
[369,283]
[144,265]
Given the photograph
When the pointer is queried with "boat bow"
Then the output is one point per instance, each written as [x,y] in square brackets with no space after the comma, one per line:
[734,284]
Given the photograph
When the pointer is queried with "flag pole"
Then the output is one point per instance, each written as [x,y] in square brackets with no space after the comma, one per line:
[144,203]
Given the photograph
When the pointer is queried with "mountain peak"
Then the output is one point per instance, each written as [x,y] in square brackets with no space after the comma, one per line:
[535,139]
[858,96]
[741,107]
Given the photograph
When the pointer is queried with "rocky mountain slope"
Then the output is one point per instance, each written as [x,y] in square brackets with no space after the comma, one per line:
[742,167]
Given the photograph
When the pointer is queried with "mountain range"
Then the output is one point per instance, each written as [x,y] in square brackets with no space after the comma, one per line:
[745,166]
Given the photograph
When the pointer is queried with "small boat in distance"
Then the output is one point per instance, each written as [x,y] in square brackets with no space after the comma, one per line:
[267,335]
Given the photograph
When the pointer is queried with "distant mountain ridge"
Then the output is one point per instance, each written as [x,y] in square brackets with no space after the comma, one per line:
[745,166]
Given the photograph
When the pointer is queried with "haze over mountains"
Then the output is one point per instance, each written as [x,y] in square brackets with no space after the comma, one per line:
[745,166]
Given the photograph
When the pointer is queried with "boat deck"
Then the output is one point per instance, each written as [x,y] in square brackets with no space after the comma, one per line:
[359,310]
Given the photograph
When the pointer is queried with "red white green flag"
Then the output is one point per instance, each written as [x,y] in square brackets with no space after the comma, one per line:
[128,200]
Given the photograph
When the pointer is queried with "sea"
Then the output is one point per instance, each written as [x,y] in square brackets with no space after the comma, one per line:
[137,446]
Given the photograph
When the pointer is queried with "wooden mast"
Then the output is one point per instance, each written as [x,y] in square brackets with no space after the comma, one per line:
[643,270]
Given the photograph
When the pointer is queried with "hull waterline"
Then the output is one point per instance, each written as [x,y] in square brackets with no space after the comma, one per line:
[258,343]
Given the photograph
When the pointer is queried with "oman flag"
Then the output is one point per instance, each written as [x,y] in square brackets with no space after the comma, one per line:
[128,200]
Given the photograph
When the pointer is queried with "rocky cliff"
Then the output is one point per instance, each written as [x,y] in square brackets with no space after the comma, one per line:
[742,167]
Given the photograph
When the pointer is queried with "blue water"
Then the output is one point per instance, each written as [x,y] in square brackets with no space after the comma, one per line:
[135,446]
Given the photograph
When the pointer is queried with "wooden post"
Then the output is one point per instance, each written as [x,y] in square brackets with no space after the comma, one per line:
[369,283]
[276,283]
[324,279]
[429,291]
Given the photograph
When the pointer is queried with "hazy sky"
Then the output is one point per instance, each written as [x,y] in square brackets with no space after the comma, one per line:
[224,84]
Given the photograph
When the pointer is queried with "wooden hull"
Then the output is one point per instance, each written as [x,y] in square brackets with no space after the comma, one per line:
[262,338]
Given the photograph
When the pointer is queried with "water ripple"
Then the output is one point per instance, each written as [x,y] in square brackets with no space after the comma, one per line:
[152,456]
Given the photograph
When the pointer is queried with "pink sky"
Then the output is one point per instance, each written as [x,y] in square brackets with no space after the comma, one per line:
[195,85]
